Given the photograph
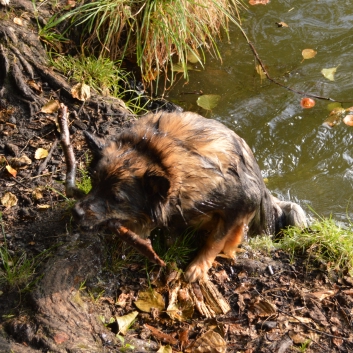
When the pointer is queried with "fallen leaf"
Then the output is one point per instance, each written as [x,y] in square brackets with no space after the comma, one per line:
[307,103]
[124,322]
[40,153]
[210,342]
[150,299]
[9,200]
[18,21]
[182,67]
[281,24]
[51,107]
[165,349]
[35,86]
[193,57]
[348,120]
[333,105]
[308,54]
[258,2]
[20,162]
[43,207]
[329,73]
[323,294]
[11,170]
[335,117]
[37,193]
[161,336]
[81,91]
[208,101]
[260,71]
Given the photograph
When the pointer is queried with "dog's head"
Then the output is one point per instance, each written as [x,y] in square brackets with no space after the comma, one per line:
[126,186]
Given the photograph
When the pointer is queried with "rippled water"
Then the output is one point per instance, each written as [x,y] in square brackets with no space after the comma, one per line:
[302,159]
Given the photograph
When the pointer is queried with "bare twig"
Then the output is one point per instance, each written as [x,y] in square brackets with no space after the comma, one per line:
[71,189]
[142,245]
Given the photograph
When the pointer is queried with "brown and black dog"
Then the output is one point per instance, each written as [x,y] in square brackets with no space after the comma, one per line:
[180,170]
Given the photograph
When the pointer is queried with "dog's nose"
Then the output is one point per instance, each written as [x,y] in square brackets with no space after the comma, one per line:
[78,212]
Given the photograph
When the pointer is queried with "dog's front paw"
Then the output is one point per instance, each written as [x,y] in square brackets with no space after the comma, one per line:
[197,271]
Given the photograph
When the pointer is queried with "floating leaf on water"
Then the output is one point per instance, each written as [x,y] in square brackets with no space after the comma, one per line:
[333,105]
[258,2]
[182,67]
[260,71]
[81,91]
[329,73]
[335,117]
[208,101]
[150,299]
[307,103]
[193,57]
[281,24]
[9,200]
[40,153]
[51,107]
[348,120]
[308,53]
[124,322]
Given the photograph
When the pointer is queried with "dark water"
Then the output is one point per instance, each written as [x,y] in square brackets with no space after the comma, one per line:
[302,159]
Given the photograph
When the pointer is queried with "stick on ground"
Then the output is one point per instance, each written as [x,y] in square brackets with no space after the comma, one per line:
[142,245]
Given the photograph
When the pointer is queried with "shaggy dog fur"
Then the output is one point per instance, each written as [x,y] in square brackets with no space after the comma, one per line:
[180,170]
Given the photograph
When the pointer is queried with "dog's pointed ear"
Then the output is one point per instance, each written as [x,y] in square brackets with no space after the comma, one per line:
[94,143]
[156,186]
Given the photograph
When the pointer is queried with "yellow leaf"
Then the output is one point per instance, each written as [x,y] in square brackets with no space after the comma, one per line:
[124,322]
[260,71]
[165,349]
[12,171]
[9,200]
[51,107]
[18,21]
[150,299]
[81,91]
[329,73]
[308,53]
[40,153]
[43,207]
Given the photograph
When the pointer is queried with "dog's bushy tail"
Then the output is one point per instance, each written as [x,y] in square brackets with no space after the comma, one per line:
[288,214]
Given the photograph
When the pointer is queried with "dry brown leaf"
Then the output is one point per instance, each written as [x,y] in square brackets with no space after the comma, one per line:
[40,153]
[9,200]
[51,107]
[210,342]
[161,336]
[264,308]
[81,91]
[321,295]
[11,170]
[37,193]
[35,86]
[20,162]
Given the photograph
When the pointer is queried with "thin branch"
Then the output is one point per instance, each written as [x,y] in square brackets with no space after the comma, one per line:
[71,189]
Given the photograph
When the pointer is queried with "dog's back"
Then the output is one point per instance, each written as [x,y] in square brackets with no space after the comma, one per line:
[180,170]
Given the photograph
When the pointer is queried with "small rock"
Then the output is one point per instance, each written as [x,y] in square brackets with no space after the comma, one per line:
[11,149]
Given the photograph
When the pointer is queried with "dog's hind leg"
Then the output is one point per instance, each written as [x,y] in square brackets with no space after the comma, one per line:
[215,245]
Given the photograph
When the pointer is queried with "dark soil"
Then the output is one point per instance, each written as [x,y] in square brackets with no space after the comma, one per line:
[76,283]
